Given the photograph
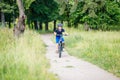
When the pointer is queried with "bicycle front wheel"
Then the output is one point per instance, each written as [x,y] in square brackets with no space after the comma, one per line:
[60,50]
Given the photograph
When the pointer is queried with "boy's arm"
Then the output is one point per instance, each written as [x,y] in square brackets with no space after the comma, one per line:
[55,32]
[65,33]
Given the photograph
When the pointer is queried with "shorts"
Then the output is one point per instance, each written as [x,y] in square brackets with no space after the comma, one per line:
[58,39]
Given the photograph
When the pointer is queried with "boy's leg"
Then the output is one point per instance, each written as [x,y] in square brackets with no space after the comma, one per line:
[63,42]
[56,48]
[57,41]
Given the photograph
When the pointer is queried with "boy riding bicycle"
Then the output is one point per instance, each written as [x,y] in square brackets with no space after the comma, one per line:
[58,32]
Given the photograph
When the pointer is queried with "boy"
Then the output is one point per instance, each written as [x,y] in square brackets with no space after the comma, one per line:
[58,32]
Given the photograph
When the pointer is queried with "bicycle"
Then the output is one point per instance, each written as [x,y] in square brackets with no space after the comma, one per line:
[60,45]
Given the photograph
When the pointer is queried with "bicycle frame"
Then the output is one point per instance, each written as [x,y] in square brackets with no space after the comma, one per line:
[60,46]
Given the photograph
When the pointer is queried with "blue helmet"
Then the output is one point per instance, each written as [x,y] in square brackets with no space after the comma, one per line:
[60,25]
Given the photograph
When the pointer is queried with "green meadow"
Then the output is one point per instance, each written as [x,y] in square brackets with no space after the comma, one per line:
[23,58]
[97,47]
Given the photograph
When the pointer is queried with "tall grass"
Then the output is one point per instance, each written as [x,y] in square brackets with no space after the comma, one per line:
[100,48]
[23,58]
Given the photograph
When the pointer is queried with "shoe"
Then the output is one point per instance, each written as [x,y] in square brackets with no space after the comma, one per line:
[63,45]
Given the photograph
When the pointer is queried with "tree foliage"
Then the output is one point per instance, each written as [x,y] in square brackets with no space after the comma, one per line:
[97,13]
[43,11]
[27,3]
[5,7]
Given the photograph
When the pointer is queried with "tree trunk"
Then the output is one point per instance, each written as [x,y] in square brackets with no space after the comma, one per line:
[3,19]
[21,8]
[54,25]
[9,24]
[40,25]
[76,25]
[35,25]
[28,22]
[13,18]
[86,27]
[69,24]
[20,26]
[32,25]
[62,21]
[46,26]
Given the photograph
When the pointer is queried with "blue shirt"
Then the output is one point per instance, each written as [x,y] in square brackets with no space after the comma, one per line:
[59,32]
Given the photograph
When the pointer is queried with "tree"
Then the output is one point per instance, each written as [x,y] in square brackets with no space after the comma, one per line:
[96,13]
[5,8]
[20,26]
[10,17]
[66,7]
[42,11]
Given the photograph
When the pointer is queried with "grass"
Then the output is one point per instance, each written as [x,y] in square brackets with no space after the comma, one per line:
[23,58]
[99,48]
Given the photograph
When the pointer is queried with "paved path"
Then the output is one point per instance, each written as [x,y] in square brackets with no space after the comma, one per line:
[71,68]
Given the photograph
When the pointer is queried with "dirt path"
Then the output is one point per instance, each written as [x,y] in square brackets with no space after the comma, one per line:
[71,68]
